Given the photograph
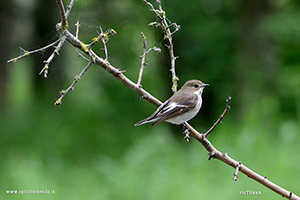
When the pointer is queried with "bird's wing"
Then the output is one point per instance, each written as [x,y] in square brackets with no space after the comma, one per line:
[172,109]
[154,115]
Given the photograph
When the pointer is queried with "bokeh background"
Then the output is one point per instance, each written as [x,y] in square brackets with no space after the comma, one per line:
[88,147]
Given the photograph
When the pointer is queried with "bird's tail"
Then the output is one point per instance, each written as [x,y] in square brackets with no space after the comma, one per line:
[145,121]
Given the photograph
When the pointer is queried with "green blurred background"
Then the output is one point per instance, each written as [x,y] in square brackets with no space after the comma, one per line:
[88,147]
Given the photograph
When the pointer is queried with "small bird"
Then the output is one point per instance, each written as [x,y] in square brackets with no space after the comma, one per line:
[179,108]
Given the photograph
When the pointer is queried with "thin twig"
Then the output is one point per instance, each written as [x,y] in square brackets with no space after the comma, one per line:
[220,118]
[27,53]
[104,40]
[177,28]
[104,37]
[186,131]
[143,57]
[79,54]
[69,8]
[63,93]
[77,28]
[235,178]
[62,12]
[151,6]
[157,49]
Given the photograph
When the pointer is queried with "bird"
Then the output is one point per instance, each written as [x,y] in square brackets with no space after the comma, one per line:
[182,106]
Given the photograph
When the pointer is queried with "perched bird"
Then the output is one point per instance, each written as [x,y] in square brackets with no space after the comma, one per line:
[179,108]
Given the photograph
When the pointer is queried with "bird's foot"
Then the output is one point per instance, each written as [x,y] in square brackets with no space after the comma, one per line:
[186,132]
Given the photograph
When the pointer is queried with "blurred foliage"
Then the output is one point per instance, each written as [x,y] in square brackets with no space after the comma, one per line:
[89,148]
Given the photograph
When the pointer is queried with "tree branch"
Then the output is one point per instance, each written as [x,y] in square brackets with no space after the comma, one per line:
[27,53]
[235,178]
[219,121]
[214,153]
[143,57]
[76,79]
[161,15]
[77,28]
[62,12]
[69,8]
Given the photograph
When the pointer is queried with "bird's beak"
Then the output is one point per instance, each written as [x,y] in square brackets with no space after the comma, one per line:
[205,85]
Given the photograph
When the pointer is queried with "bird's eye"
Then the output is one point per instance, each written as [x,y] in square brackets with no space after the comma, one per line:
[196,86]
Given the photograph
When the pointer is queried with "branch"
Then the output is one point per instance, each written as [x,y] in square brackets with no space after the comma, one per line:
[235,178]
[62,12]
[161,15]
[104,38]
[77,28]
[72,86]
[82,56]
[69,8]
[27,53]
[214,153]
[219,121]
[143,57]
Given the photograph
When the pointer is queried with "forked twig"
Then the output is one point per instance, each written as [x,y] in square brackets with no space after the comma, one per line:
[49,60]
